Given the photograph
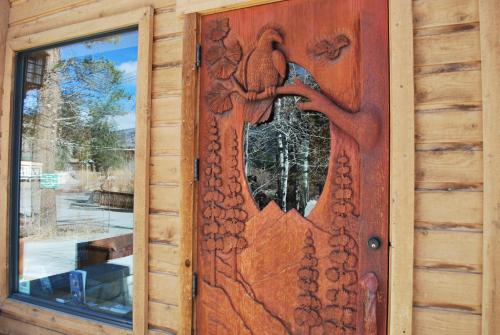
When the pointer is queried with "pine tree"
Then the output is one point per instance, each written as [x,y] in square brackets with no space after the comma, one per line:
[340,314]
[233,223]
[213,211]
[307,313]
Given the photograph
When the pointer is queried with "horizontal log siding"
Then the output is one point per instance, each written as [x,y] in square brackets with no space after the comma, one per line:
[449,168]
[27,17]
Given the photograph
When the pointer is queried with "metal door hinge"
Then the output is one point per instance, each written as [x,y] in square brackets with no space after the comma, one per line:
[196,169]
[195,285]
[198,55]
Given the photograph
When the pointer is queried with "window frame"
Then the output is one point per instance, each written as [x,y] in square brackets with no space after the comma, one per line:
[30,308]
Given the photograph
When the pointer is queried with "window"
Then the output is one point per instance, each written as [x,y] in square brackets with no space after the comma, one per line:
[73,177]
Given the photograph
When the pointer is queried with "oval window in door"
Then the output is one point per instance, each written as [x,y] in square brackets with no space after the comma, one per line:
[286,158]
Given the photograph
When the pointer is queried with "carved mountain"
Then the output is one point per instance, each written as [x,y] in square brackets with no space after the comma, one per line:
[271,265]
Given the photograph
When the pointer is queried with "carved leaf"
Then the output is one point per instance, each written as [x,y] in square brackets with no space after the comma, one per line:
[222,69]
[234,52]
[219,99]
[218,29]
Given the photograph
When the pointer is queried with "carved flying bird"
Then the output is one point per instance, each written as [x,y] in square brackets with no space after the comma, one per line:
[263,70]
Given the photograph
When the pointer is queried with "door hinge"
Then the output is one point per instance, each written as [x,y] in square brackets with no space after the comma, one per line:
[195,285]
[196,169]
[198,55]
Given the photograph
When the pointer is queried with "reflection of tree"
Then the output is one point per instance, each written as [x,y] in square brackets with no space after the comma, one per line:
[92,93]
[287,158]
[68,119]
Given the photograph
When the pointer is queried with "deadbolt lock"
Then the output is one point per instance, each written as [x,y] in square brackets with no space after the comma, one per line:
[374,243]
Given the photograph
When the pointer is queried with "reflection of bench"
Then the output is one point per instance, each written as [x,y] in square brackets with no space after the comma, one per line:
[100,251]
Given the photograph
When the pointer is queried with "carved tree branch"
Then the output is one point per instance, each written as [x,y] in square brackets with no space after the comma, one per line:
[366,135]
[349,122]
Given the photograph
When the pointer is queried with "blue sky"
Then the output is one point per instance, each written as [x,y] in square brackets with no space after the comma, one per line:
[123,52]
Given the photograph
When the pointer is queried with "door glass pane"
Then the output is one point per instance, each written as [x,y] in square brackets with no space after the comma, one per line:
[286,159]
[76,176]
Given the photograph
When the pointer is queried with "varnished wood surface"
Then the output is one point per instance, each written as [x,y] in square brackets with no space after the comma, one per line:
[235,295]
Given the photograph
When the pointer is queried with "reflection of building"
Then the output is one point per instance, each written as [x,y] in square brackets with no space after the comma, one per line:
[126,138]
[30,170]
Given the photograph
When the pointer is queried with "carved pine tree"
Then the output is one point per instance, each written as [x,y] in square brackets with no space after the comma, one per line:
[307,314]
[213,211]
[340,314]
[235,217]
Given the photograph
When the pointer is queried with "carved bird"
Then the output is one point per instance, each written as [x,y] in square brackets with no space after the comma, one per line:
[263,70]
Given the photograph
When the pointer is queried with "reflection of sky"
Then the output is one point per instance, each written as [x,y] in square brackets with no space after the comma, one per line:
[123,52]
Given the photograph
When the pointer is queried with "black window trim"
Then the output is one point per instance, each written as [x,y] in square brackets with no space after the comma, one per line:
[15,200]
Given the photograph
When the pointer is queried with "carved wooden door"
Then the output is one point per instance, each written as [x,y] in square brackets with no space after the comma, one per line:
[292,223]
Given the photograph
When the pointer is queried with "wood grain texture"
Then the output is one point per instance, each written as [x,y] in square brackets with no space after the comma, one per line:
[458,47]
[448,170]
[490,58]
[56,321]
[165,228]
[164,258]
[142,170]
[166,110]
[90,11]
[448,290]
[211,6]
[7,69]
[443,322]
[454,208]
[248,257]
[189,153]
[448,128]
[449,250]
[445,89]
[429,13]
[165,140]
[402,177]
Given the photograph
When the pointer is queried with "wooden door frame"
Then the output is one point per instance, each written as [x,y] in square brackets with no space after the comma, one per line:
[142,18]
[402,158]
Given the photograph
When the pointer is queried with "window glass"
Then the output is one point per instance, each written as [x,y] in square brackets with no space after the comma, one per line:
[76,175]
[286,158]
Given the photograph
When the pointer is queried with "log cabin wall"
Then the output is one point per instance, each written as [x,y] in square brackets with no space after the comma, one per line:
[28,17]
[448,266]
[449,168]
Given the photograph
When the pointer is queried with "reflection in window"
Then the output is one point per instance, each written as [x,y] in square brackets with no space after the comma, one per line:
[76,175]
[286,159]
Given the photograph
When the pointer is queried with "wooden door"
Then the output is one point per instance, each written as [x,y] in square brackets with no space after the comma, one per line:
[292,219]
